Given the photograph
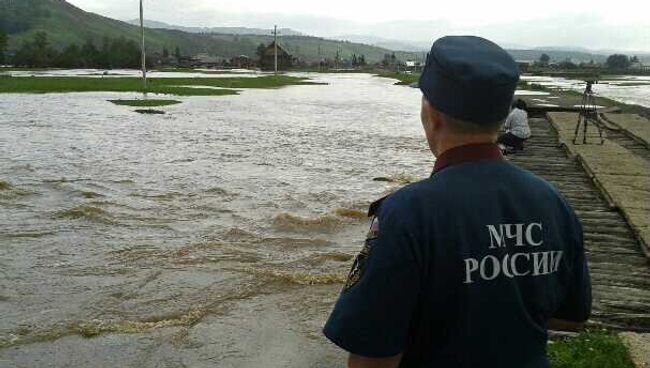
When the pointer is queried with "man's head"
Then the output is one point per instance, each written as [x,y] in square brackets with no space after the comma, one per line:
[519,104]
[468,84]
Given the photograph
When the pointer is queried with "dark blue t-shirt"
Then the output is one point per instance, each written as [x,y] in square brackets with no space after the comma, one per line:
[465,269]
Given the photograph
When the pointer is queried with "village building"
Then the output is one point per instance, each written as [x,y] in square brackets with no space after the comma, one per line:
[524,65]
[159,59]
[241,62]
[206,61]
[267,59]
[413,66]
[639,67]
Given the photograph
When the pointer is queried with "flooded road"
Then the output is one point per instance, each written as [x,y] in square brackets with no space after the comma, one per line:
[217,234]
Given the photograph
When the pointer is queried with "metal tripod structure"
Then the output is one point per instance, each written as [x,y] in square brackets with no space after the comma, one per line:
[587,114]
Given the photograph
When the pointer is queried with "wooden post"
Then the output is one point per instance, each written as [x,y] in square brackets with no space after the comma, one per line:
[275,44]
[144,58]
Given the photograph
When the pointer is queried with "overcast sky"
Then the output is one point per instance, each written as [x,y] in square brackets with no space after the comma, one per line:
[595,24]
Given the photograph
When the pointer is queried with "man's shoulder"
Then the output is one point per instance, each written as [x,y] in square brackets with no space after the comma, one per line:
[402,199]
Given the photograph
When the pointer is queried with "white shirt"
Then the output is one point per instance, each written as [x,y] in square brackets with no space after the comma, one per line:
[517,123]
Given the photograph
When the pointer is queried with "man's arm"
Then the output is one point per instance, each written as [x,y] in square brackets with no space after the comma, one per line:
[374,312]
[358,361]
[576,308]
[508,123]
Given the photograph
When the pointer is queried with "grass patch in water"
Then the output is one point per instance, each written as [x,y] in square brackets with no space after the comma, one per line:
[171,86]
[403,78]
[145,103]
[589,350]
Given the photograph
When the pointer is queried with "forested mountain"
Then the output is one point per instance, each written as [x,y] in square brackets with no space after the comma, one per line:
[66,24]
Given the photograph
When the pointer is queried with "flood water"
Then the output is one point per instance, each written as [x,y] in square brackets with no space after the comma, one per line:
[216,235]
[627,89]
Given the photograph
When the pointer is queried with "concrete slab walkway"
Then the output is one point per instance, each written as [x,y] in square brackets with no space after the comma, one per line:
[622,176]
[633,125]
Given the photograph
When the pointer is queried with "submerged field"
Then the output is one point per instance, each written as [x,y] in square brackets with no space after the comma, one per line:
[171,86]
[215,235]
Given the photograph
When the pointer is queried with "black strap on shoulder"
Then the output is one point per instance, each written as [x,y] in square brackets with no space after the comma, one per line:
[374,206]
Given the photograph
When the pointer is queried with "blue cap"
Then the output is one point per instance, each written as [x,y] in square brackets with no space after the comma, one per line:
[470,78]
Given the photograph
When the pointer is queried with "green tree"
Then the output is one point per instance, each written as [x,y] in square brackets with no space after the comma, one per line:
[3,46]
[177,53]
[90,56]
[70,57]
[386,60]
[43,54]
[362,60]
[104,56]
[544,59]
[37,53]
[618,61]
[260,50]
[165,52]
[567,64]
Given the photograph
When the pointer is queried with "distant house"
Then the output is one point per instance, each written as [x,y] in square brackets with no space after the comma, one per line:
[206,61]
[639,67]
[158,59]
[241,62]
[413,65]
[524,65]
[267,59]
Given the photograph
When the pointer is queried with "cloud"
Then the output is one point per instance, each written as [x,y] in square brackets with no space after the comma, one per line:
[598,26]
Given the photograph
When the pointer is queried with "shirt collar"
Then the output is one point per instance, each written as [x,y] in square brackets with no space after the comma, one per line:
[467,153]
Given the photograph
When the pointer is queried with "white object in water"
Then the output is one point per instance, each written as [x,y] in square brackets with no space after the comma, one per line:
[527,92]
[590,106]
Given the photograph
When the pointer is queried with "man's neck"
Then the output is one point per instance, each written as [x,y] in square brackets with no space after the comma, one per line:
[448,144]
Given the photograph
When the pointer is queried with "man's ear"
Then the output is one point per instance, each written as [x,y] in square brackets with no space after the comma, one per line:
[435,119]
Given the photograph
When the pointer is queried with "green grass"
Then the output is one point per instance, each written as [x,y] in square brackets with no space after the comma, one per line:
[145,103]
[170,86]
[403,78]
[589,350]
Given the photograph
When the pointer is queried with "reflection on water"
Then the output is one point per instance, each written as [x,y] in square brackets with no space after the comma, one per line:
[627,89]
[225,219]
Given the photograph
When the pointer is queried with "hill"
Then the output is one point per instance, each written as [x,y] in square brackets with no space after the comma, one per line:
[558,55]
[222,30]
[66,24]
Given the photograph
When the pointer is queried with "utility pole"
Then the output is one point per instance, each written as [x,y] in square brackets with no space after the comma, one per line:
[144,58]
[275,44]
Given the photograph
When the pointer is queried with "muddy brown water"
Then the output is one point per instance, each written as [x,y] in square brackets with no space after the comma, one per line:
[215,235]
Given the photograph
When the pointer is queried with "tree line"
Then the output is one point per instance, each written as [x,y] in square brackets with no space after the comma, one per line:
[113,53]
[615,62]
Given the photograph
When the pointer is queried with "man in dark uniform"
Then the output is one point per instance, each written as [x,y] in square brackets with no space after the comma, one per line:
[470,267]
